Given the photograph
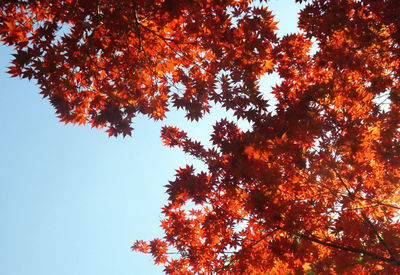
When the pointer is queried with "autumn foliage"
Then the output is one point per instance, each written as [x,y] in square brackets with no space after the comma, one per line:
[311,188]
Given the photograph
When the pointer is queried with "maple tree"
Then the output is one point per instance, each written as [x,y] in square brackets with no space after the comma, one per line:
[312,186]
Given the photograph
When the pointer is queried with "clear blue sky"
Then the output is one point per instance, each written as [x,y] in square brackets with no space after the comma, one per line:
[73,200]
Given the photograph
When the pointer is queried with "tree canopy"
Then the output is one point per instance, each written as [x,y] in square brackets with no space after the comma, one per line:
[313,185]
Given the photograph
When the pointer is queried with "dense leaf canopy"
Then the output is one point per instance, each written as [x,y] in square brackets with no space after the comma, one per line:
[312,186]
[102,62]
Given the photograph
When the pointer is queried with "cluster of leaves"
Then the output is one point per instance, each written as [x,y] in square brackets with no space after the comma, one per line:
[102,62]
[311,187]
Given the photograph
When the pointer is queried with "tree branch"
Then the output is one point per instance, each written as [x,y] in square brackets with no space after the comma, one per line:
[349,249]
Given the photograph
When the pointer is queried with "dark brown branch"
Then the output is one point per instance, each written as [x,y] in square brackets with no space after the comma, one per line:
[350,249]
[343,183]
[264,237]
[366,219]
[137,28]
